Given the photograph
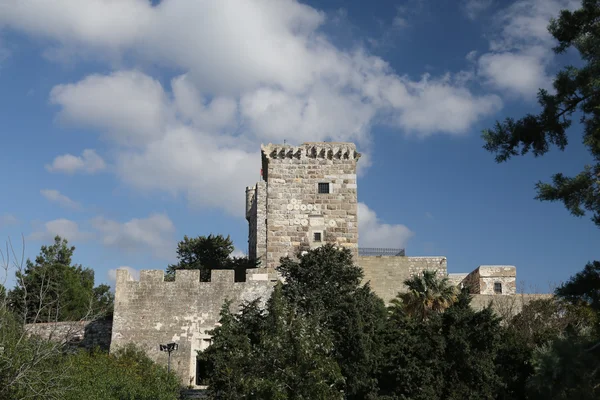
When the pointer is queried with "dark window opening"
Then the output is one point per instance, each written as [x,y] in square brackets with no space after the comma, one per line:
[201,372]
[323,188]
[205,275]
[497,287]
[240,275]
[317,236]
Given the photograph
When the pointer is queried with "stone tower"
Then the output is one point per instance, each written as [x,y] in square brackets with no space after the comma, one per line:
[307,197]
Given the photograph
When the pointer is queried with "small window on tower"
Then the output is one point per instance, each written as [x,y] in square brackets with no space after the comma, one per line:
[317,236]
[497,287]
[323,188]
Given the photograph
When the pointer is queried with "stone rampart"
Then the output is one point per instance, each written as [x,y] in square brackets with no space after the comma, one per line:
[503,305]
[387,274]
[150,312]
[85,334]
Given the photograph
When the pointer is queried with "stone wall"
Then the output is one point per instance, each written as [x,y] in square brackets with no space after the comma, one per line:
[387,274]
[150,312]
[296,212]
[256,214]
[505,306]
[85,334]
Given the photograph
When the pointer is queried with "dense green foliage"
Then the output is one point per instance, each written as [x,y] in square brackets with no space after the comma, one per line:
[51,288]
[207,253]
[127,374]
[324,335]
[32,368]
[427,294]
[577,93]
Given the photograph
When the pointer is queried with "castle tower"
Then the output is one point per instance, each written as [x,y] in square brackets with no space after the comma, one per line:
[308,197]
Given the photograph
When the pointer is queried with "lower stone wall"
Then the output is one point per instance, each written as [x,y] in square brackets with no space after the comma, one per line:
[85,334]
[503,305]
[387,274]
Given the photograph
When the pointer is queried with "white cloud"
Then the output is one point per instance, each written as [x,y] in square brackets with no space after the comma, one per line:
[429,215]
[154,233]
[89,162]
[127,102]
[374,233]
[521,51]
[473,8]
[256,71]
[112,274]
[239,253]
[63,227]
[8,220]
[59,198]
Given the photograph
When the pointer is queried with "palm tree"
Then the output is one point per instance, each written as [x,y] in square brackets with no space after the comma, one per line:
[427,293]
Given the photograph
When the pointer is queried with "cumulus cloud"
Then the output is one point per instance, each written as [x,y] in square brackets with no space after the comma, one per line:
[65,228]
[374,233]
[56,197]
[89,162]
[521,50]
[256,71]
[154,233]
[474,8]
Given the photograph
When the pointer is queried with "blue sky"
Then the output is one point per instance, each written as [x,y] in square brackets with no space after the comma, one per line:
[126,125]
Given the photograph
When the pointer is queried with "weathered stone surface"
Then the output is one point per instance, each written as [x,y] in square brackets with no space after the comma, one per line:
[85,334]
[483,279]
[386,274]
[286,212]
[150,312]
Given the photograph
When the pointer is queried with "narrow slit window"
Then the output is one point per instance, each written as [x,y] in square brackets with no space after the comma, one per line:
[323,188]
[317,236]
[497,287]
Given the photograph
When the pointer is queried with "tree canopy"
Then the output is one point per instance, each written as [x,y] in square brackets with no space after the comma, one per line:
[576,94]
[52,288]
[206,253]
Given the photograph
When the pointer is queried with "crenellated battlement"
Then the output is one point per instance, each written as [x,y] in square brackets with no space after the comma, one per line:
[313,150]
[181,276]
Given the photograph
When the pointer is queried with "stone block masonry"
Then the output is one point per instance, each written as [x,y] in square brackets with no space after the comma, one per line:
[83,334]
[308,198]
[386,274]
[150,312]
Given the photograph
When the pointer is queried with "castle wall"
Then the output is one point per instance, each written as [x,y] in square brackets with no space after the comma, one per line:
[387,274]
[296,211]
[150,312]
[505,306]
[84,334]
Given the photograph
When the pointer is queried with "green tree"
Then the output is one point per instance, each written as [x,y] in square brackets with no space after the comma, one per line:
[411,365]
[325,283]
[206,253]
[450,355]
[566,368]
[126,374]
[272,354]
[103,301]
[583,288]
[29,366]
[427,294]
[472,341]
[51,289]
[577,91]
